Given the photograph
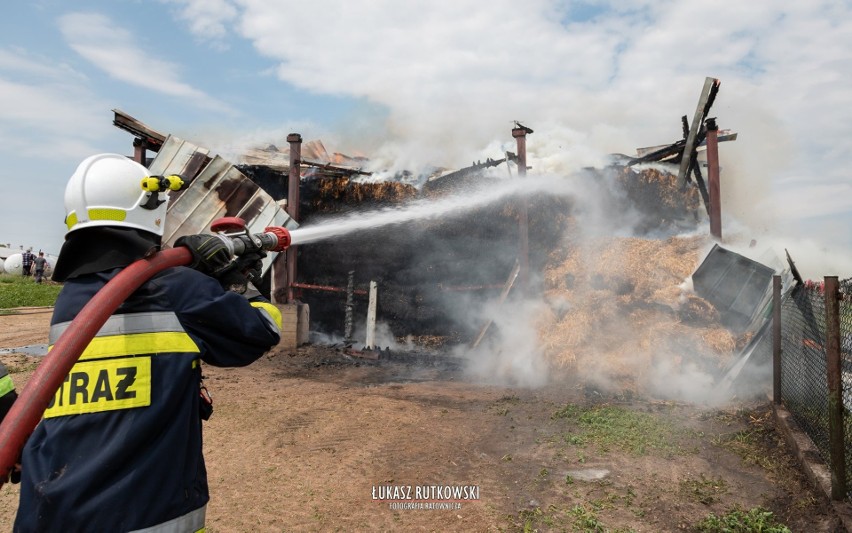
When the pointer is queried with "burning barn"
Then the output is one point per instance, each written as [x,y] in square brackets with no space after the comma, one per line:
[614,307]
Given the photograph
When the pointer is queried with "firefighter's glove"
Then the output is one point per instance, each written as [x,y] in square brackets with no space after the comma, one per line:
[210,254]
[251,265]
[245,269]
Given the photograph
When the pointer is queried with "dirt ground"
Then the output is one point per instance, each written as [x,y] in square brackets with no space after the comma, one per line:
[300,441]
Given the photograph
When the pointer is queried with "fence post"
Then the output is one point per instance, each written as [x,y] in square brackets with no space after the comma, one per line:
[370,342]
[835,389]
[776,339]
[350,307]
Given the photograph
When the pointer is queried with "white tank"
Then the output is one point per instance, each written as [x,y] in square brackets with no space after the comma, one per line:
[2,267]
[14,264]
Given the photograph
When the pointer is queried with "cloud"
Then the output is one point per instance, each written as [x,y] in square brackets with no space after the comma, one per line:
[207,19]
[46,104]
[114,50]
[22,63]
[590,79]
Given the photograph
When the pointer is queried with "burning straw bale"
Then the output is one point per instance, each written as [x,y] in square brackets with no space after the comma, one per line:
[334,194]
[652,268]
[618,308]
[660,198]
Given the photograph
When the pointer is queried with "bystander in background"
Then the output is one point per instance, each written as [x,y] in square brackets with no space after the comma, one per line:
[27,259]
[40,264]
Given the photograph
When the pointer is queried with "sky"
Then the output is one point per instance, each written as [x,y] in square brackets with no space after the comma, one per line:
[440,83]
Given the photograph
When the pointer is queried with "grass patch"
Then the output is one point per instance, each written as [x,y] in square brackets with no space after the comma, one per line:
[757,520]
[20,291]
[612,427]
[751,443]
[703,490]
[569,411]
[578,518]
[501,405]
[586,520]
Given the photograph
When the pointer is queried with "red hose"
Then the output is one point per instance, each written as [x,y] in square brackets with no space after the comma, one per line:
[28,409]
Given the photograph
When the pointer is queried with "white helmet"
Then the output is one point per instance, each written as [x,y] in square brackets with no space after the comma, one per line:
[112,190]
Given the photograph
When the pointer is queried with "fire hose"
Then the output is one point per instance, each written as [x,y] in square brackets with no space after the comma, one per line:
[30,405]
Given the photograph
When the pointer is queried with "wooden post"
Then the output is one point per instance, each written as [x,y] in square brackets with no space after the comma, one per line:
[503,294]
[520,135]
[371,316]
[713,179]
[350,307]
[140,147]
[836,435]
[776,339]
[294,182]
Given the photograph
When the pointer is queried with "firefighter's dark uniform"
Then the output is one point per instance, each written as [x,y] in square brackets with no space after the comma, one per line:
[119,448]
[7,392]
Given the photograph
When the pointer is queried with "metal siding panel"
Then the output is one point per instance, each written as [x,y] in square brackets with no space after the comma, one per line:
[236,190]
[225,190]
[218,190]
[165,155]
[195,197]
[185,155]
[181,159]
[195,164]
[263,218]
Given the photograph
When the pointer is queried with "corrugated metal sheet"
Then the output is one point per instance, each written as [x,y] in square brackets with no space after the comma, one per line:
[737,286]
[217,189]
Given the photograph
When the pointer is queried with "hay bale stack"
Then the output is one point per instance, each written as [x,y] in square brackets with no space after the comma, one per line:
[697,310]
[619,309]
[659,199]
[330,195]
[651,269]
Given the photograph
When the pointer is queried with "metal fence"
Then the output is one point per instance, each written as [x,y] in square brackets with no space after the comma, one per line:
[808,370]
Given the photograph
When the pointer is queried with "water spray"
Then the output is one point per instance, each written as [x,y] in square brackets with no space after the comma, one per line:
[426,209]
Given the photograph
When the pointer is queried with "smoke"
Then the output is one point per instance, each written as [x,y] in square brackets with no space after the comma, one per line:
[658,356]
[685,382]
[384,338]
[511,354]
[600,216]
[813,258]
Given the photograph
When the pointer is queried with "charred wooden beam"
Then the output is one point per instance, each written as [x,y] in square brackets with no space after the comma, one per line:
[702,187]
[328,168]
[327,288]
[662,153]
[463,288]
[705,101]
[153,140]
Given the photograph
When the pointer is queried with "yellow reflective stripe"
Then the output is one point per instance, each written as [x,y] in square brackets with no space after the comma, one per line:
[6,385]
[138,343]
[274,312]
[71,219]
[98,213]
[127,323]
[105,213]
[97,386]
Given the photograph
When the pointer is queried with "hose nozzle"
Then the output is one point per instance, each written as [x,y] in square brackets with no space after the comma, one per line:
[273,238]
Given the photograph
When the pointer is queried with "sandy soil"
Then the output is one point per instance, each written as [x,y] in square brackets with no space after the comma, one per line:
[298,441]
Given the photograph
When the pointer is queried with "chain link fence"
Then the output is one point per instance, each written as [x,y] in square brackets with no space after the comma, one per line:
[804,370]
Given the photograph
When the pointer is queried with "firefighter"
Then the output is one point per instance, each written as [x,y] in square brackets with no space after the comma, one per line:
[119,447]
